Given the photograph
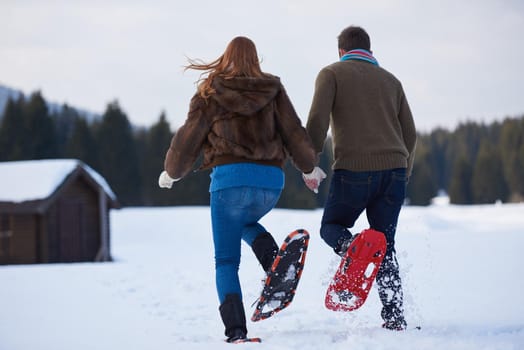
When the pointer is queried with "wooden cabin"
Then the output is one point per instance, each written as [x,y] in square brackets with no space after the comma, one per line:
[53,211]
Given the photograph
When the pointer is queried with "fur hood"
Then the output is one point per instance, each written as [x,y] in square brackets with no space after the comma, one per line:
[246,120]
[245,95]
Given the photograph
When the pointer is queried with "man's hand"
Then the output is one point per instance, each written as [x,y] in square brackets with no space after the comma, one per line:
[165,181]
[314,178]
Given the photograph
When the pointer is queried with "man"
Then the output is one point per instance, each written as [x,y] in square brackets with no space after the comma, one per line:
[374,141]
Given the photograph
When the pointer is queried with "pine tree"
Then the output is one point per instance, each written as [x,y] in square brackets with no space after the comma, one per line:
[325,162]
[460,185]
[422,186]
[157,140]
[438,143]
[192,189]
[41,137]
[12,131]
[511,148]
[65,121]
[488,183]
[464,142]
[295,193]
[519,186]
[81,144]
[118,155]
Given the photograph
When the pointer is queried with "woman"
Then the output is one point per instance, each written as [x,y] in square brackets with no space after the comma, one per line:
[243,122]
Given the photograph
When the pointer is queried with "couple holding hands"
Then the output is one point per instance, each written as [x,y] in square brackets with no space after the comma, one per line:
[243,123]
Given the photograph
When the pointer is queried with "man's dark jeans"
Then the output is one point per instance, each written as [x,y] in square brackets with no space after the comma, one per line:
[380,194]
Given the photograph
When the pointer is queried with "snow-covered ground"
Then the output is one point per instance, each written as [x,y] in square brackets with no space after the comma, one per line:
[461,268]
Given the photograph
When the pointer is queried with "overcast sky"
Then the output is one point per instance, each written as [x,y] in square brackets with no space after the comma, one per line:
[457,60]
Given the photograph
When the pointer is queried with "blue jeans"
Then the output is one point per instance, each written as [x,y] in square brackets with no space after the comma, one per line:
[235,213]
[380,194]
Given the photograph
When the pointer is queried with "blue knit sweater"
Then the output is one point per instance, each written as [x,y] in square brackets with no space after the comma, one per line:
[246,174]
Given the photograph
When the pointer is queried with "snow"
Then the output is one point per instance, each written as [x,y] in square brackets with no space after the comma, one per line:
[159,293]
[290,273]
[37,179]
[369,270]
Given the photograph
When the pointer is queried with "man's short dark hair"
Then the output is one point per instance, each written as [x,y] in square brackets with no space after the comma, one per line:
[353,38]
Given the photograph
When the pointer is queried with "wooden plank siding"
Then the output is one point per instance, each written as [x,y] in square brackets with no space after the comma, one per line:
[22,243]
[70,225]
[5,238]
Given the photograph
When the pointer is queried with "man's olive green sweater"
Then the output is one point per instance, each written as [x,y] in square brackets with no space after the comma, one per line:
[371,123]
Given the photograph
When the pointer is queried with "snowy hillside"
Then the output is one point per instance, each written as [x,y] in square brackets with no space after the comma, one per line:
[461,268]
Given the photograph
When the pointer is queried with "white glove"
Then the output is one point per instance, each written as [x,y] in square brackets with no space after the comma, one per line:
[165,181]
[314,178]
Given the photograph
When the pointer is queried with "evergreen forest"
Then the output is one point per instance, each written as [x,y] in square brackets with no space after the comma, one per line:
[476,163]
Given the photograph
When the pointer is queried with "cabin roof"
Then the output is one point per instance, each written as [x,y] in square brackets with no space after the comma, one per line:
[34,181]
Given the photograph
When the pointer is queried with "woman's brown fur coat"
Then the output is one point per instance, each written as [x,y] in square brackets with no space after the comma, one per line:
[247,120]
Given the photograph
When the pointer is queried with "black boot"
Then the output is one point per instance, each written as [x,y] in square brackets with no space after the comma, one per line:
[265,249]
[390,292]
[234,318]
[344,243]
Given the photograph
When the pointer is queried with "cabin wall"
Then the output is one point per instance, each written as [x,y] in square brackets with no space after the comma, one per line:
[73,224]
[19,239]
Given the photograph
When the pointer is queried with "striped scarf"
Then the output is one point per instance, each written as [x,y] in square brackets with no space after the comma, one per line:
[359,54]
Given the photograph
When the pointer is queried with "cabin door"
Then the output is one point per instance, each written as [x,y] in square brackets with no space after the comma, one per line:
[5,238]
[70,231]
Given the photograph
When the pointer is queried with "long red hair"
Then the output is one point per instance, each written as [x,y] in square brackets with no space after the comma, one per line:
[239,59]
